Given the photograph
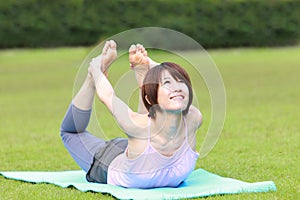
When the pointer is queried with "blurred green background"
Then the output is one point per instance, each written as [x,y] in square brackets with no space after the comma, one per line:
[254,43]
[212,23]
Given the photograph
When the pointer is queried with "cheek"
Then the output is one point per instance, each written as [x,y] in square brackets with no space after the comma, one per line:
[162,95]
[186,89]
[187,92]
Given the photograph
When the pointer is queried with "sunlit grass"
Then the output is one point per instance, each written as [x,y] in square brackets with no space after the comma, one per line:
[260,140]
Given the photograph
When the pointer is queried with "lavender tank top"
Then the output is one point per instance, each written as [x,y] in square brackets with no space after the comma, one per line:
[152,169]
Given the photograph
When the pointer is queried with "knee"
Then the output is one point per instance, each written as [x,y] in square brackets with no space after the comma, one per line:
[75,120]
[66,137]
[64,130]
[68,126]
[63,135]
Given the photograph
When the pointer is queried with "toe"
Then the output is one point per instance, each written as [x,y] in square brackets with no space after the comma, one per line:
[105,48]
[106,45]
[145,53]
[112,44]
[140,47]
[132,49]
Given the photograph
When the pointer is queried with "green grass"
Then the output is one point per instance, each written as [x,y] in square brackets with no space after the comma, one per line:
[260,140]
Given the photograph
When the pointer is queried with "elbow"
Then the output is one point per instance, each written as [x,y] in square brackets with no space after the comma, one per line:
[107,97]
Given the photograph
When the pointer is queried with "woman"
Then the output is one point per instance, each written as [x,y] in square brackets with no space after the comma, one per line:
[160,149]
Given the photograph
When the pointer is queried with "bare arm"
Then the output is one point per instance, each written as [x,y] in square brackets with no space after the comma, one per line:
[128,120]
[195,115]
[194,118]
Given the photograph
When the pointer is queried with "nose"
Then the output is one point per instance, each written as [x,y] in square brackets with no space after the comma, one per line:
[176,87]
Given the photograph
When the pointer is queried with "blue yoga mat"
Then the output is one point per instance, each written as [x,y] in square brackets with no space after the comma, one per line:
[200,183]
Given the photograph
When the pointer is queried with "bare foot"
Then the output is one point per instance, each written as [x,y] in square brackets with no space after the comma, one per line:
[140,63]
[109,54]
[138,56]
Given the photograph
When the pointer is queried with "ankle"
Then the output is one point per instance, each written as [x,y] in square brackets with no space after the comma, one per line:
[90,81]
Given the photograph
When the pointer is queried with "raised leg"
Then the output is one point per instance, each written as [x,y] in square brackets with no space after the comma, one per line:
[79,142]
[84,98]
[140,63]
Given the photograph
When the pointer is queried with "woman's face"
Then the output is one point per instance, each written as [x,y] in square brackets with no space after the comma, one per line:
[172,95]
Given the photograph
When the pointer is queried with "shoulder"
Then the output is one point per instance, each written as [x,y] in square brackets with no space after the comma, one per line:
[194,115]
[137,125]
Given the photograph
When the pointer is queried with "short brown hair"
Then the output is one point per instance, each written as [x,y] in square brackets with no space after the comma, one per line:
[151,84]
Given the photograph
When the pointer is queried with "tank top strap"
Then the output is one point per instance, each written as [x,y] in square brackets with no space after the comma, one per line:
[185,128]
[149,133]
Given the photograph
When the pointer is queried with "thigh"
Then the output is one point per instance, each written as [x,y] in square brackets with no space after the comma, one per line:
[82,147]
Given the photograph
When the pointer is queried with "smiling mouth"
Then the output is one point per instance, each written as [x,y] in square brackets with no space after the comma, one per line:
[177,97]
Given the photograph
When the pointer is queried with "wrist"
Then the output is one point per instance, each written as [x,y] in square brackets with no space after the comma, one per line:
[97,76]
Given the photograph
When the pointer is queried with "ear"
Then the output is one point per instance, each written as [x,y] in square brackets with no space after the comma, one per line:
[146,97]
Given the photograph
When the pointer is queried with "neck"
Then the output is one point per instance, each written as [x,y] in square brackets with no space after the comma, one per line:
[167,124]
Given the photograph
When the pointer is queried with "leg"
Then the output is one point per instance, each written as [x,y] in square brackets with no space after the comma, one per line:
[79,142]
[140,63]
[84,98]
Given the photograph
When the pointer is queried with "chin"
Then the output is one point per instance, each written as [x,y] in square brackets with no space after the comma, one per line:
[175,110]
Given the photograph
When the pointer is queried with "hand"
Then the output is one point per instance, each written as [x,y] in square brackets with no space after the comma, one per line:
[95,67]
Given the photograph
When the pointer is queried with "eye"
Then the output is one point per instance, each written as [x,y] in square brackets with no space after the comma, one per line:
[166,82]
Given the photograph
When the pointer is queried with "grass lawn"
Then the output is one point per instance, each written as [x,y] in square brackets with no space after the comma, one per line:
[260,140]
